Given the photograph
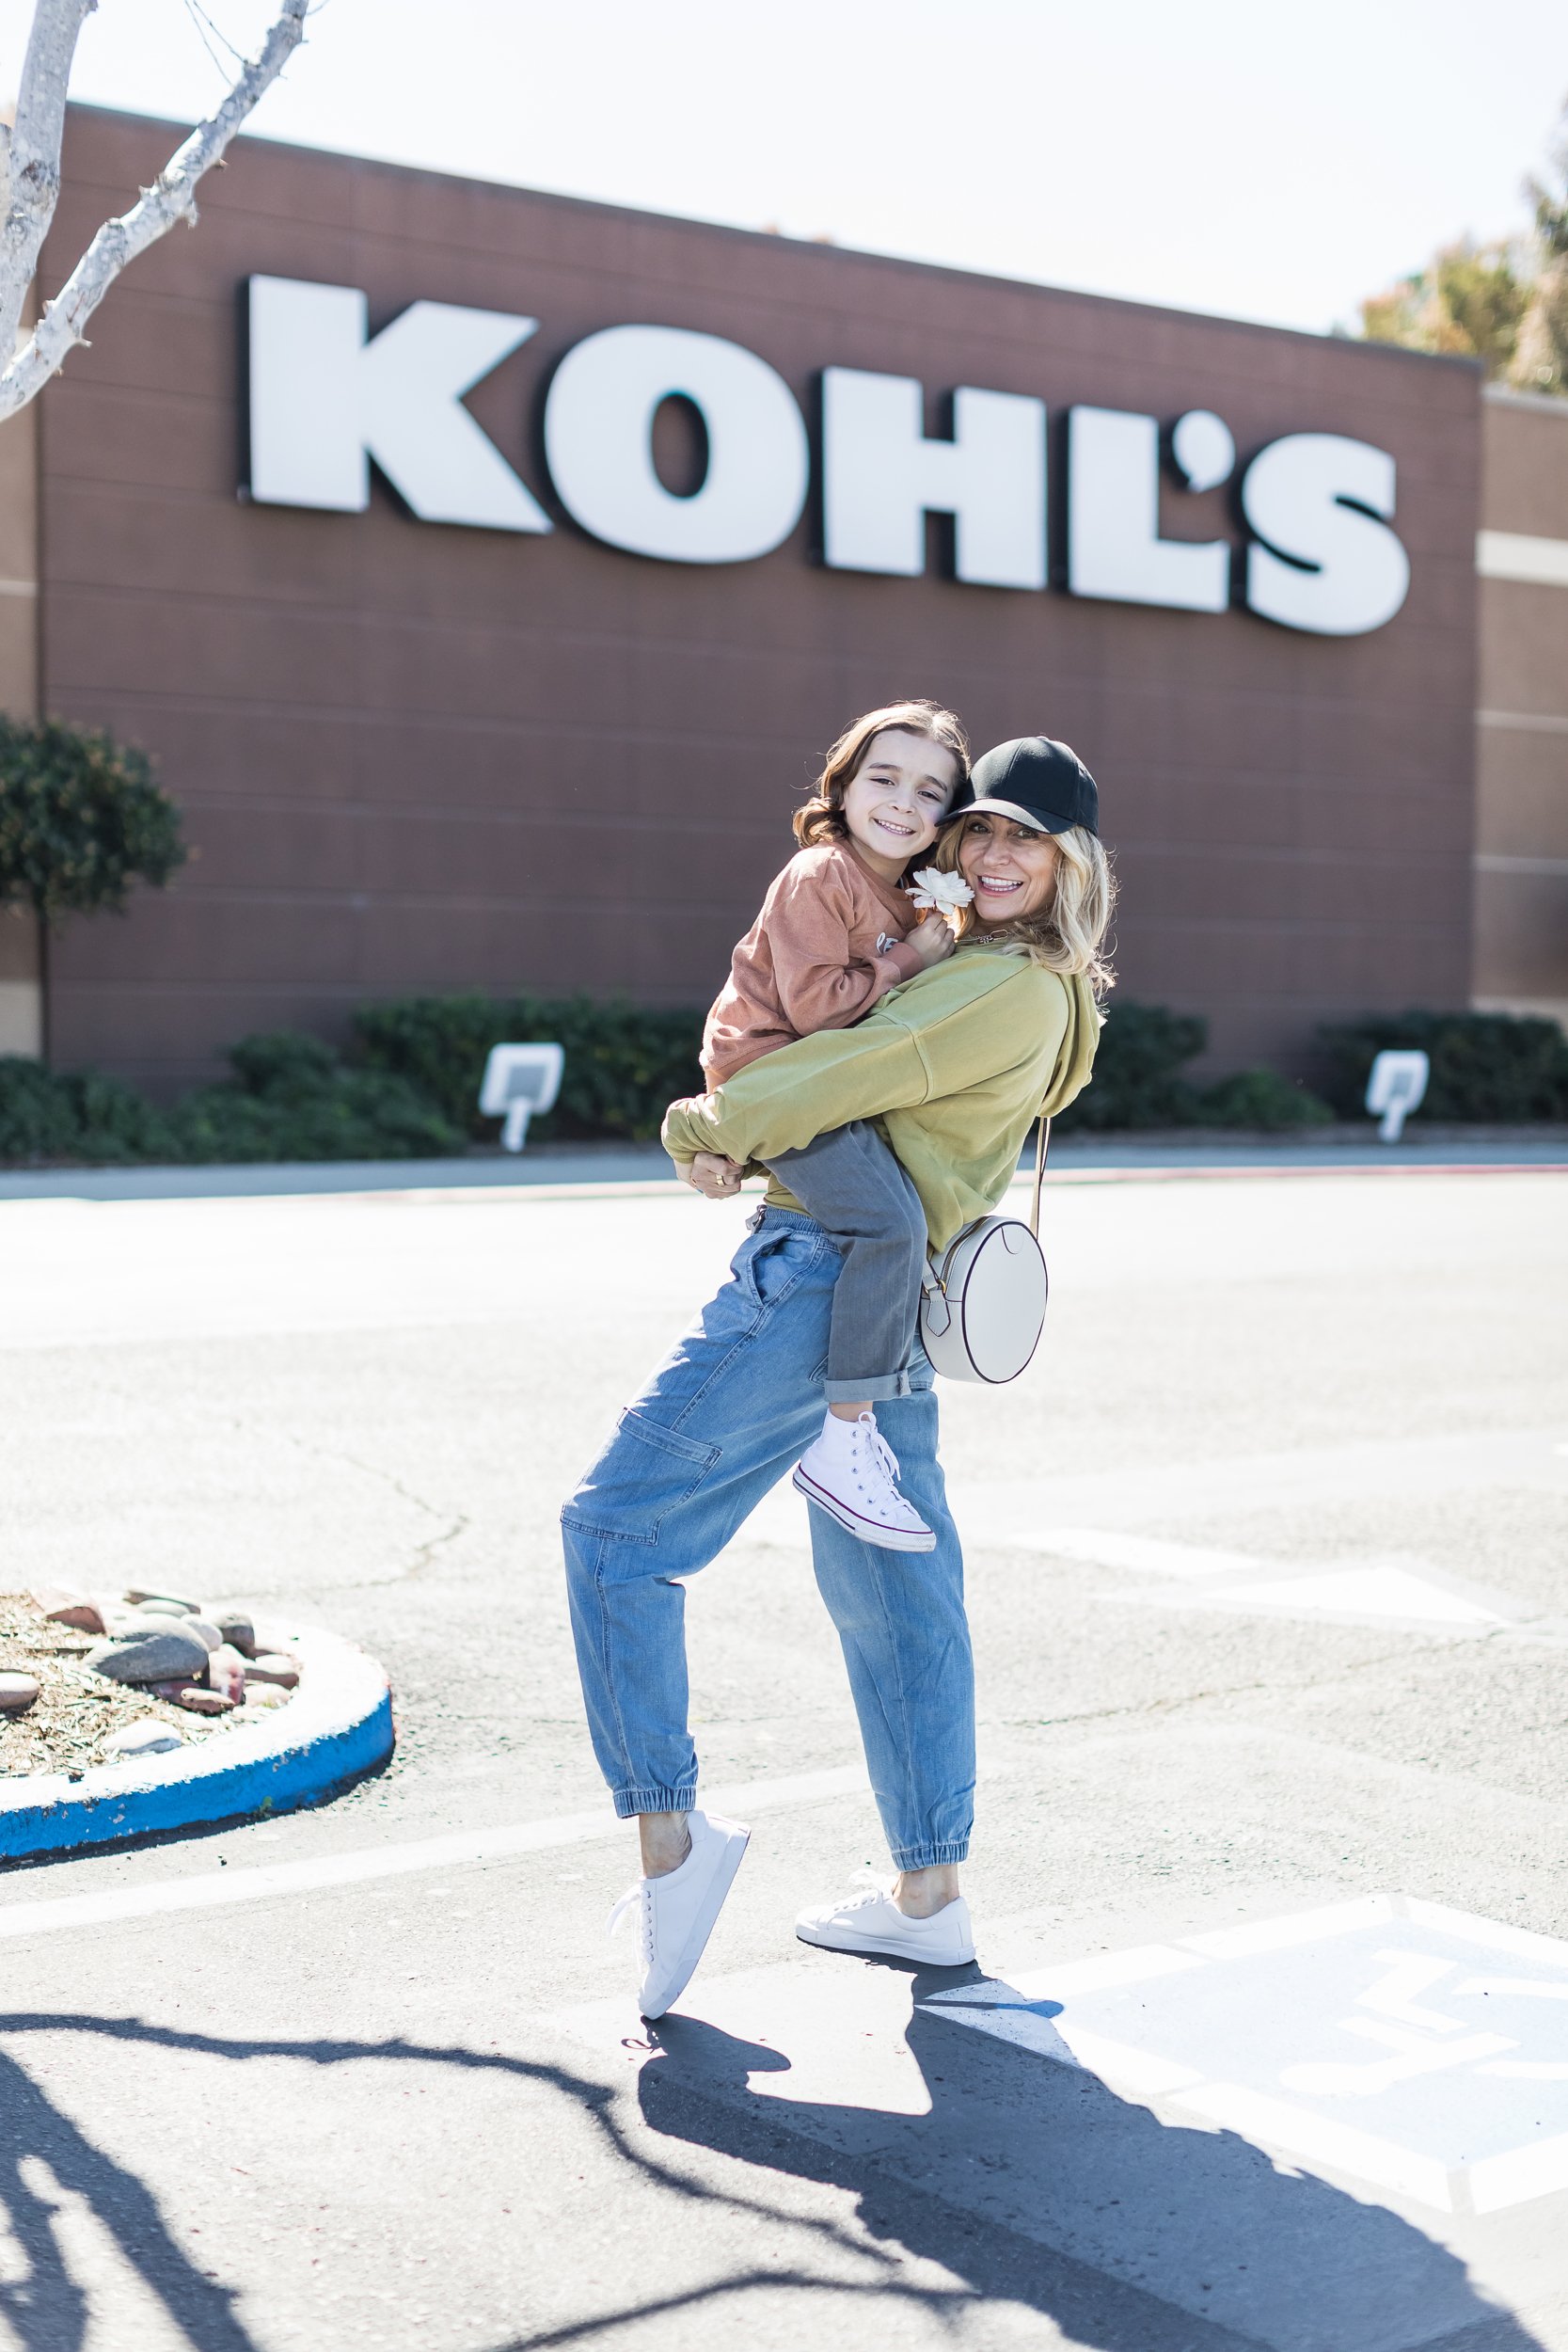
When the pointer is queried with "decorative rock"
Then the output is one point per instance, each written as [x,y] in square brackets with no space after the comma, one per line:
[199,1702]
[62,1606]
[119,1623]
[141,1596]
[204,1629]
[265,1694]
[163,1611]
[237,1629]
[226,1672]
[17,1692]
[271,1666]
[149,1736]
[168,1654]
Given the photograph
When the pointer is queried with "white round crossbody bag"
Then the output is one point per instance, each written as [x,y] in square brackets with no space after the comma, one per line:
[982,1308]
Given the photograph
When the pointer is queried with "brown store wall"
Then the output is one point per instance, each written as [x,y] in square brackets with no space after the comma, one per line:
[1521,892]
[21,987]
[415,756]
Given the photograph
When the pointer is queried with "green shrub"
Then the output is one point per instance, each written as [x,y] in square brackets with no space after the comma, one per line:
[624,1063]
[46,1115]
[81,818]
[1492,1066]
[1137,1080]
[1261,1099]
[292,1099]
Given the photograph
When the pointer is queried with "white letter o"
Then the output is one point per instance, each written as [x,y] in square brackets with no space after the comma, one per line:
[598,429]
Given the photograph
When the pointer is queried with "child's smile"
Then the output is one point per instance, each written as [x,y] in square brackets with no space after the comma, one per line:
[894,803]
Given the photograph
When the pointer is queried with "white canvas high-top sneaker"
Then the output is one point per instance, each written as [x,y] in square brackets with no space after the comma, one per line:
[852,1471]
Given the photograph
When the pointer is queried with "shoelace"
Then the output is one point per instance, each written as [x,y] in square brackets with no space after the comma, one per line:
[639,1896]
[883,1463]
[874,1890]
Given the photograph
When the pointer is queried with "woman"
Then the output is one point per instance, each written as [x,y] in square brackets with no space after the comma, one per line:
[955,1066]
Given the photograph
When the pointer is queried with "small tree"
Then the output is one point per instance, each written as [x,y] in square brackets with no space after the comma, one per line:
[81,818]
[1469,299]
[1504,304]
[30,188]
[1540,360]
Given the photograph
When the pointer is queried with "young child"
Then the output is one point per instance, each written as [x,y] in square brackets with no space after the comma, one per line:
[836,932]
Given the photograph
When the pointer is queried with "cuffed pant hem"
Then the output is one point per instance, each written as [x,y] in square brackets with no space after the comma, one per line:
[630,1802]
[879,1391]
[930,1857]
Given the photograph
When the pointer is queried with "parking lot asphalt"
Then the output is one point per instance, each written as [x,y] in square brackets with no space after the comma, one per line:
[1268,2043]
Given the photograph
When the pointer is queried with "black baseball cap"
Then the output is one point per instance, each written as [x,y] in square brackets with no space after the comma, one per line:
[1034,780]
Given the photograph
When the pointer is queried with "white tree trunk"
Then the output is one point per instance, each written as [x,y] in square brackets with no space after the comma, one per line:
[30,157]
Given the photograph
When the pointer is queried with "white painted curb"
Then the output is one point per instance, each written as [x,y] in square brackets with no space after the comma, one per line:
[338,1723]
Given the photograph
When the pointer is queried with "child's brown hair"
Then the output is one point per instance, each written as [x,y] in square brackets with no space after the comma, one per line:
[822,818]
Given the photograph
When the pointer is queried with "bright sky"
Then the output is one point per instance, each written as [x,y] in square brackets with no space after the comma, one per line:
[1265,161]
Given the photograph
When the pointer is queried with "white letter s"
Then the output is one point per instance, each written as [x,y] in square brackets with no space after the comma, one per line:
[1316,498]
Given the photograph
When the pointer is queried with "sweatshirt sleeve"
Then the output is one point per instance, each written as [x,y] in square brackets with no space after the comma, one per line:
[820,984]
[786,1099]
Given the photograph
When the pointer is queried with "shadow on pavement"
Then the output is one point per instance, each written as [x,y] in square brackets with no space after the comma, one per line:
[47,2311]
[1027,2180]
[1034,2184]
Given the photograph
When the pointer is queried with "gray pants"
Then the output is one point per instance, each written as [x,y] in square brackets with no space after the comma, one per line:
[854,1187]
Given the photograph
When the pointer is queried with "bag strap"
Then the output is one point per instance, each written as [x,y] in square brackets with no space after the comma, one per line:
[931,1281]
[1042,1145]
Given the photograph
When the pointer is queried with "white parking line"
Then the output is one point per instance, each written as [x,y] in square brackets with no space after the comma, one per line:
[1394,1590]
[363,1863]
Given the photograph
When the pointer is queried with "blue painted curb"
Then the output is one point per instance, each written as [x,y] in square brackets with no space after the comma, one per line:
[338,1723]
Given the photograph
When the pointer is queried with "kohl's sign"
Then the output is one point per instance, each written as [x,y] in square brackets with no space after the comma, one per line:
[326,397]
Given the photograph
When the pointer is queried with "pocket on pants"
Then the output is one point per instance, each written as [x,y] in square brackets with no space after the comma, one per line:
[773,1261]
[644,1474]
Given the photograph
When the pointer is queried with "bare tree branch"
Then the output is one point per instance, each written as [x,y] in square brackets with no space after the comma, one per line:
[33,190]
[33,157]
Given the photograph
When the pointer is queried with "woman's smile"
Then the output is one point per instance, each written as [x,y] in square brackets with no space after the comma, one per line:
[1010,868]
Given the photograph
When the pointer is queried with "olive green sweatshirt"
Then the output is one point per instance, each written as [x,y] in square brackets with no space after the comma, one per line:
[954,1067]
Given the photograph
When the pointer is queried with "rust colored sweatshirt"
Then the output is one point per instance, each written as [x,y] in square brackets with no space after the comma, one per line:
[827,946]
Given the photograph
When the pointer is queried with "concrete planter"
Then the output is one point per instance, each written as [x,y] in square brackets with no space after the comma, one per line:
[338,1723]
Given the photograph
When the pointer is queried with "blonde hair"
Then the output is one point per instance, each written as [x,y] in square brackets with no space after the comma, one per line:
[822,818]
[1068,932]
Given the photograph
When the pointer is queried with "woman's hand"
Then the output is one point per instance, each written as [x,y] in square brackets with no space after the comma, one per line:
[715,1177]
[931,940]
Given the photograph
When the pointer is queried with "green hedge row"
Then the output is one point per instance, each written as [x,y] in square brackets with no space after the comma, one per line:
[410,1090]
[290,1099]
[624,1063]
[1486,1065]
[1138,1081]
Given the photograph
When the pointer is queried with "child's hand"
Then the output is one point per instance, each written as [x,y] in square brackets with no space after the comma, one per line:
[931,940]
[715,1177]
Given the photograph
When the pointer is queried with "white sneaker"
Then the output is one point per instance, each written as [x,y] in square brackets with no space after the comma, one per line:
[676,1913]
[872,1923]
[850,1472]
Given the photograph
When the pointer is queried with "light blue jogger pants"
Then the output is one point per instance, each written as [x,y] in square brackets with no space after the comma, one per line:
[726,1416]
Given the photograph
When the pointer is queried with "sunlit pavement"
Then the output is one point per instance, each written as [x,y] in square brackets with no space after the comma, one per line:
[1269,2042]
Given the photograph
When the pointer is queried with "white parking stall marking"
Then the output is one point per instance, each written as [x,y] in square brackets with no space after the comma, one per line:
[1379,1590]
[363,1864]
[1369,1591]
[1263,2030]
[1413,2055]
[1410,1973]
[1141,1556]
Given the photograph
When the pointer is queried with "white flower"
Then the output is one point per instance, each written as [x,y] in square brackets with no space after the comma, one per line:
[941,894]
